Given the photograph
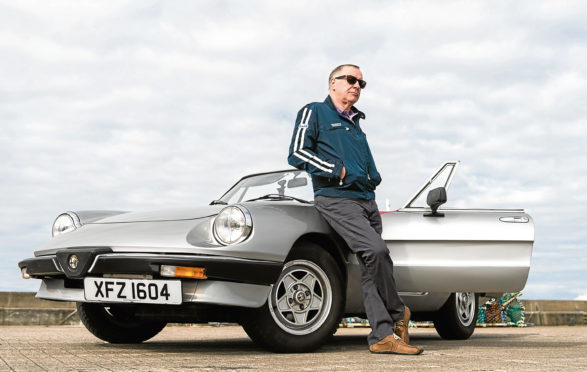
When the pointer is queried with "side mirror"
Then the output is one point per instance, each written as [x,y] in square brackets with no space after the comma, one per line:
[436,198]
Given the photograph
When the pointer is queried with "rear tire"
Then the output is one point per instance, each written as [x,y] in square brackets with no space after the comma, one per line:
[304,307]
[457,318]
[116,324]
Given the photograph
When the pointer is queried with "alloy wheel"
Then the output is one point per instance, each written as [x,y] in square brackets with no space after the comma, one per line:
[301,300]
[465,304]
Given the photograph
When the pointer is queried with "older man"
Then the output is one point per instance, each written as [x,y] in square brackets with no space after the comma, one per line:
[329,144]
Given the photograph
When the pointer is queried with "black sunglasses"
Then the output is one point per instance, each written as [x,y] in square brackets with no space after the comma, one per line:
[353,80]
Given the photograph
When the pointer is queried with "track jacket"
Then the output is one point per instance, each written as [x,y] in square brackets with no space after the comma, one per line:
[323,141]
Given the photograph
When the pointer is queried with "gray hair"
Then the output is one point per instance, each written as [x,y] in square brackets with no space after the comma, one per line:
[336,70]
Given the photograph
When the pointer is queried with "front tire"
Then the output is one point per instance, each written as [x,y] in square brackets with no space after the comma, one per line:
[457,318]
[304,307]
[116,324]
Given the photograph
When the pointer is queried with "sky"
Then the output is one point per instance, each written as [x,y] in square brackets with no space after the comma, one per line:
[140,105]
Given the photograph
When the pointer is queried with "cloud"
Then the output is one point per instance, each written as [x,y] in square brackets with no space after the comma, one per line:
[149,105]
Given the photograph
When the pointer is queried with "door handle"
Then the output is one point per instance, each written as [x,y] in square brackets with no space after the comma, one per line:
[514,219]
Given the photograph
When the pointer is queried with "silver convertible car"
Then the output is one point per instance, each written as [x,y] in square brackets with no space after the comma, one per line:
[262,256]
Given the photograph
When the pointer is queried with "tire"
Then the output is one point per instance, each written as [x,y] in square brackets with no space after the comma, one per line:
[457,318]
[116,324]
[304,307]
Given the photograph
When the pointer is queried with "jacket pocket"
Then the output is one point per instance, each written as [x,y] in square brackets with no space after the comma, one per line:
[372,184]
[341,130]
[355,181]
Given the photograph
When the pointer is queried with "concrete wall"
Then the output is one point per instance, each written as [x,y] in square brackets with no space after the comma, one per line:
[28,300]
[555,312]
[22,308]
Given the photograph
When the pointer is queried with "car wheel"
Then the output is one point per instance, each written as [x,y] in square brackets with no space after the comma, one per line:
[457,318]
[304,307]
[116,324]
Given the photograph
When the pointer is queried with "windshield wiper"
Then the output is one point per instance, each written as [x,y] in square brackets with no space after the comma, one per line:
[214,202]
[280,197]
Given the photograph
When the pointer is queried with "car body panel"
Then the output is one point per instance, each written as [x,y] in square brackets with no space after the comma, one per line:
[466,250]
[86,217]
[152,234]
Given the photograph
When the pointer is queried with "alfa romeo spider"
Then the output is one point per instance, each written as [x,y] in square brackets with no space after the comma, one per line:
[262,256]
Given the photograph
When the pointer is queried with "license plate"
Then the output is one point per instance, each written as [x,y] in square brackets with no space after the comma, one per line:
[146,291]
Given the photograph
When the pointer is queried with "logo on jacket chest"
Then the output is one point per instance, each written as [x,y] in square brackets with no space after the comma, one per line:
[334,125]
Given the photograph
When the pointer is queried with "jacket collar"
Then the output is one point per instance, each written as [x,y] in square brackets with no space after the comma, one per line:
[330,104]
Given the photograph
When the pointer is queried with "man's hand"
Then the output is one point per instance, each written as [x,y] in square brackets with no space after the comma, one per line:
[342,172]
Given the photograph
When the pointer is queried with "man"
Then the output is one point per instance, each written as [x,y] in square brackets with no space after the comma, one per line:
[329,144]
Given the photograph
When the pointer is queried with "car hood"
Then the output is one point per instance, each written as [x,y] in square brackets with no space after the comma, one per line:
[163,215]
[141,231]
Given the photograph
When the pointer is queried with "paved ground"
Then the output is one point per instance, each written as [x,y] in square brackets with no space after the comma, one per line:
[32,348]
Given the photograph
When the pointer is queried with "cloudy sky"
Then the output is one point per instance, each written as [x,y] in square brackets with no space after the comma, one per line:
[138,105]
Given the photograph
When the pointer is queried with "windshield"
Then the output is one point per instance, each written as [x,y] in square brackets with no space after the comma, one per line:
[294,183]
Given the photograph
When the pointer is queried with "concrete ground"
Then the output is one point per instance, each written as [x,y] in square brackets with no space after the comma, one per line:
[180,348]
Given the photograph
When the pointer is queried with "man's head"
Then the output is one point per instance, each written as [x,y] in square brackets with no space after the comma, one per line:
[343,93]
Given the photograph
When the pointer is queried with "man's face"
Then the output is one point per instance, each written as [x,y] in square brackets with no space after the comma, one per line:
[341,90]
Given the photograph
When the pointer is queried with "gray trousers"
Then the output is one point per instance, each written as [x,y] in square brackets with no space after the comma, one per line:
[358,222]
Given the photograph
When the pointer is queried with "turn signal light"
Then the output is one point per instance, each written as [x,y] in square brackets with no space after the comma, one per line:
[183,272]
[25,275]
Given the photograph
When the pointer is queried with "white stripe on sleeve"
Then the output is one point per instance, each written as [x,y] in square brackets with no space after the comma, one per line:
[312,162]
[299,144]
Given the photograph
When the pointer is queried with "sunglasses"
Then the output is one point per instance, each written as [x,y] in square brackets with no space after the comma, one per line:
[353,80]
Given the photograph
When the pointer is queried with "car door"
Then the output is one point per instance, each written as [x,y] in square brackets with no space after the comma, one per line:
[478,250]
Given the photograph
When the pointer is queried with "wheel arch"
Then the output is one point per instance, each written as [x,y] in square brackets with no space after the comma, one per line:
[337,249]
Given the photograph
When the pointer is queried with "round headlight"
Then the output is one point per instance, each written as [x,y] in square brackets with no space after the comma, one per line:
[232,225]
[64,223]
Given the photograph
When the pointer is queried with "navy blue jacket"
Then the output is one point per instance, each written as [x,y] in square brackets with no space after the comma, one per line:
[323,141]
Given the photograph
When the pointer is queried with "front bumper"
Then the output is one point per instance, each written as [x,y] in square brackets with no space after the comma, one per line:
[100,261]
[210,292]
[230,281]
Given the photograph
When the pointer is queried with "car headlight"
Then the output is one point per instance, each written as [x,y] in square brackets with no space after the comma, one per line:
[232,225]
[65,223]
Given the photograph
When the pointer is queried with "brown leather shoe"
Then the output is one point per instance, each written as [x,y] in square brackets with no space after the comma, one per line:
[392,344]
[401,327]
